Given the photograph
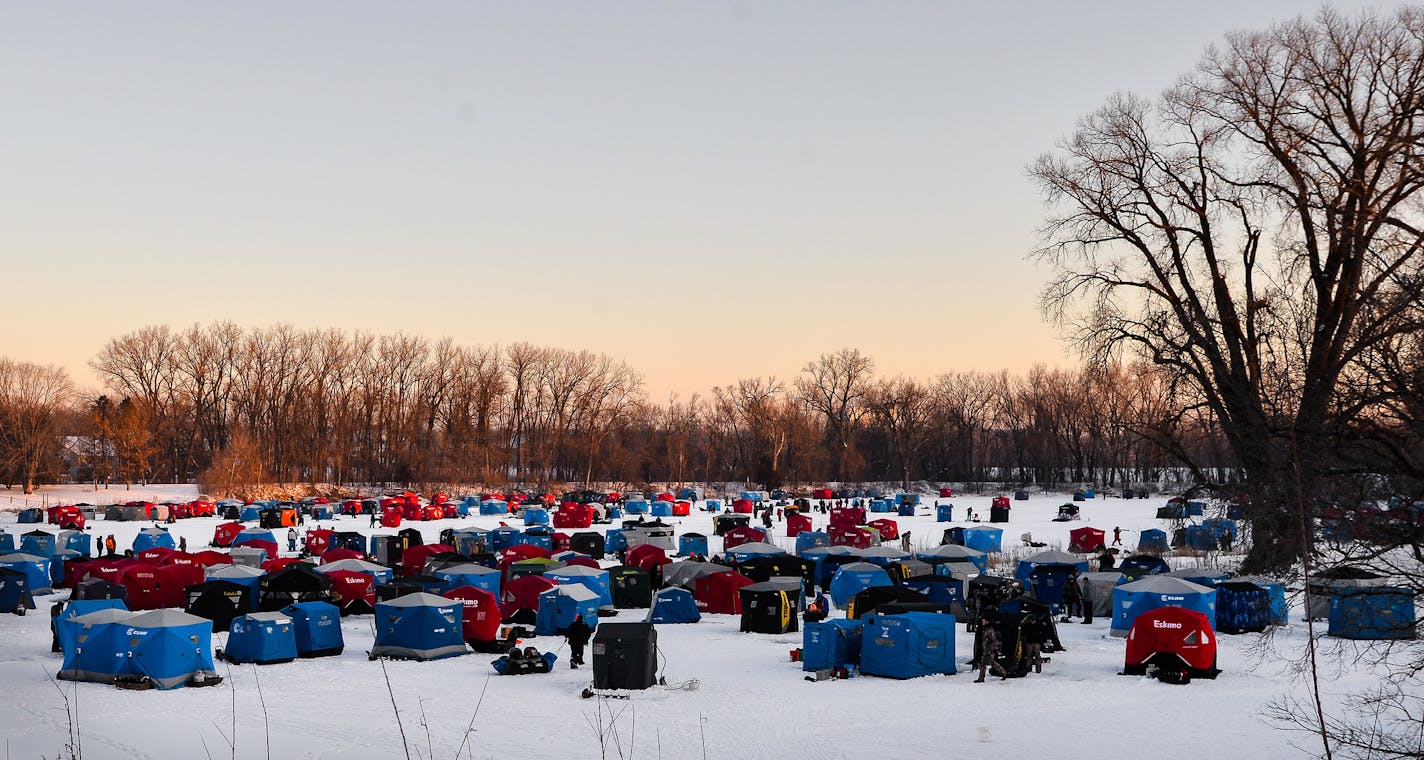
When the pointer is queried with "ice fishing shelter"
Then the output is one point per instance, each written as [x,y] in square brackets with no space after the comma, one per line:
[378,573]
[944,512]
[224,534]
[1152,540]
[684,574]
[257,538]
[855,577]
[243,575]
[721,524]
[949,553]
[219,601]
[811,539]
[15,594]
[481,617]
[674,605]
[1139,565]
[470,574]
[984,539]
[1026,565]
[831,644]
[317,627]
[1084,540]
[1242,607]
[151,537]
[1132,599]
[293,584]
[625,656]
[560,605]
[716,593]
[419,627]
[162,649]
[355,592]
[1373,613]
[593,579]
[907,645]
[630,587]
[1279,609]
[1177,643]
[999,509]
[689,544]
[1323,586]
[36,570]
[769,608]
[946,590]
[1102,584]
[39,543]
[519,600]
[262,638]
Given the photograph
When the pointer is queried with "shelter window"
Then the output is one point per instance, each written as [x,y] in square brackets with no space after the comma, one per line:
[1192,638]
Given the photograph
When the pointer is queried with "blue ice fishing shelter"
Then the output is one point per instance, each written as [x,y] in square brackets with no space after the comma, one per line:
[251,577]
[1045,578]
[674,605]
[149,538]
[79,541]
[1280,609]
[539,536]
[261,638]
[167,648]
[692,543]
[853,578]
[317,628]
[636,507]
[831,644]
[36,570]
[689,494]
[1200,576]
[823,571]
[92,645]
[469,540]
[39,543]
[14,591]
[810,539]
[56,565]
[913,499]
[250,513]
[31,515]
[614,540]
[880,505]
[662,509]
[1050,557]
[594,580]
[1201,538]
[1195,508]
[7,542]
[560,605]
[505,536]
[75,608]
[321,511]
[752,496]
[1373,613]
[419,626]
[1154,591]
[712,505]
[1152,540]
[908,645]
[984,539]
[1242,608]
[536,516]
[470,574]
[494,507]
[1139,565]
[944,513]
[462,509]
[905,509]
[249,534]
[1219,526]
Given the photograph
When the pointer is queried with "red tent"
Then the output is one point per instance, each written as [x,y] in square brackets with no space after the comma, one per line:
[681,508]
[523,594]
[412,512]
[743,506]
[335,555]
[357,591]
[518,552]
[583,562]
[154,555]
[110,569]
[1001,501]
[1084,540]
[225,533]
[482,612]
[716,593]
[574,516]
[439,498]
[742,535]
[75,571]
[611,497]
[433,512]
[663,497]
[209,558]
[561,541]
[946,493]
[847,516]
[68,517]
[821,493]
[797,523]
[351,507]
[179,558]
[889,529]
[152,588]
[413,558]
[273,565]
[449,511]
[854,535]
[1175,640]
[179,511]
[202,508]
[391,518]
[646,557]
[318,540]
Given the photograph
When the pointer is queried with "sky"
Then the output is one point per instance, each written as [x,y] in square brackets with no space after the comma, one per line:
[707,190]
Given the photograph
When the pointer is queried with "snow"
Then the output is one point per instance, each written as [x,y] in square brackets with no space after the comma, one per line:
[738,693]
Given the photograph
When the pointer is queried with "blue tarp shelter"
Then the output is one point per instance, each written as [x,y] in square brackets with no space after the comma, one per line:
[494,507]
[536,516]
[1152,540]
[594,580]
[419,627]
[148,538]
[317,627]
[712,505]
[505,536]
[39,543]
[984,539]
[1132,599]
[831,644]
[560,605]
[250,513]
[674,605]
[166,647]
[36,570]
[1242,608]
[1373,613]
[1139,565]
[635,507]
[262,638]
[14,591]
[907,645]
[692,543]
[944,513]
[854,578]
[470,574]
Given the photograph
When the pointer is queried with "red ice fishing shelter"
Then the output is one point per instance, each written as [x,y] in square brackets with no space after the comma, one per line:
[523,594]
[356,590]
[391,518]
[889,529]
[482,613]
[717,593]
[853,536]
[646,557]
[742,535]
[743,506]
[1177,641]
[848,516]
[573,516]
[225,533]
[209,558]
[822,493]
[413,558]
[336,555]
[154,555]
[1084,540]
[795,524]
[318,540]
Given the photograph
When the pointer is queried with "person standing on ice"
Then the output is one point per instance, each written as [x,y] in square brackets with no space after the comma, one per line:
[577,635]
[1072,598]
[988,658]
[291,539]
[1087,594]
[110,544]
[1117,536]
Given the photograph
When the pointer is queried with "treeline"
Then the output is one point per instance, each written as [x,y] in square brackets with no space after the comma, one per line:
[227,406]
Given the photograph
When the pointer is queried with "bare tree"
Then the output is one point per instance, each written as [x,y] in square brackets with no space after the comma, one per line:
[835,386]
[31,399]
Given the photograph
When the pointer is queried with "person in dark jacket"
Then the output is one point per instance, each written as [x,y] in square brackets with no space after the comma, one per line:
[577,635]
[1072,599]
[1106,561]
[1087,594]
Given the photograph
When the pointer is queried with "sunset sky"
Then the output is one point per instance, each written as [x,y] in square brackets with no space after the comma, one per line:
[708,190]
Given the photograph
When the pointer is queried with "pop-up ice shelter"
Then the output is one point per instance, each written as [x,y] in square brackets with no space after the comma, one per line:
[560,605]
[378,573]
[1139,565]
[1373,613]
[594,580]
[1152,540]
[907,645]
[470,574]
[692,543]
[1242,607]
[1103,584]
[1085,539]
[1133,599]
[355,592]
[768,608]
[1280,609]
[716,593]
[163,649]
[811,539]
[419,627]
[219,601]
[262,638]
[36,570]
[954,553]
[855,577]
[831,644]
[984,539]
[674,605]
[1175,641]
[630,587]
[15,592]
[151,537]
[317,627]
[293,584]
